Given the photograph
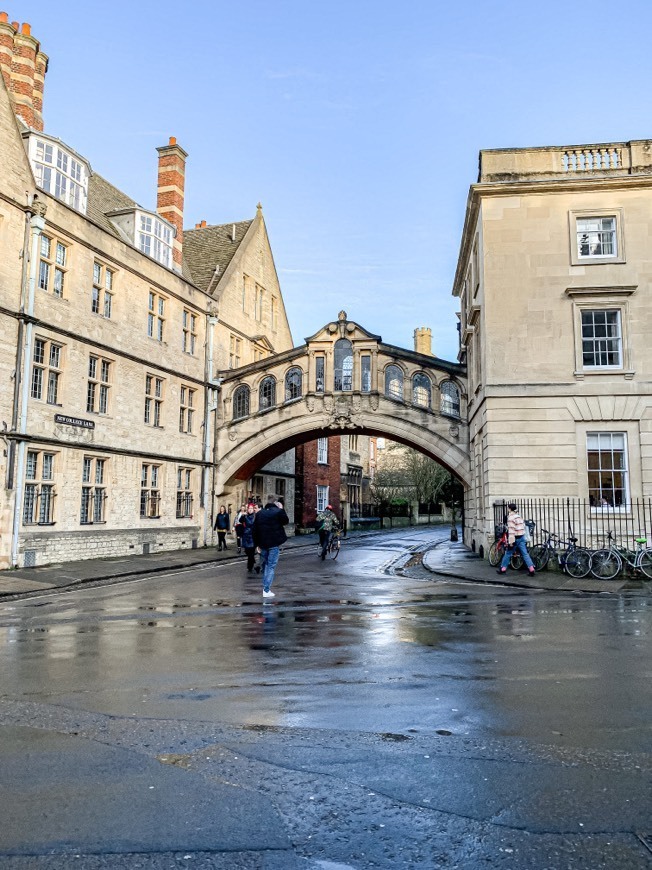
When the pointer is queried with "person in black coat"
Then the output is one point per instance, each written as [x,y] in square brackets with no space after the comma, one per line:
[222,526]
[269,534]
[247,537]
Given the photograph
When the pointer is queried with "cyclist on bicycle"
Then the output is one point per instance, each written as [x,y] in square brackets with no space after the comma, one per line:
[327,523]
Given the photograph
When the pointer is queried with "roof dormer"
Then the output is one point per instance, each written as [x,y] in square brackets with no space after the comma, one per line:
[58,169]
[147,231]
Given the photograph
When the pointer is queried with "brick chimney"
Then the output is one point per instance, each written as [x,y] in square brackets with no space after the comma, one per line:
[170,191]
[23,66]
[423,340]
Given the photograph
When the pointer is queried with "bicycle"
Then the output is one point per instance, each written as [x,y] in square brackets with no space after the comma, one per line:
[497,551]
[574,560]
[608,562]
[333,546]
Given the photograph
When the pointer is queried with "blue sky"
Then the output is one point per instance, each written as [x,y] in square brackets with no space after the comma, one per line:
[357,124]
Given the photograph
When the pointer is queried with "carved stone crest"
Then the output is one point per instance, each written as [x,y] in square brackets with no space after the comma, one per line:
[374,401]
[310,403]
[233,434]
[342,416]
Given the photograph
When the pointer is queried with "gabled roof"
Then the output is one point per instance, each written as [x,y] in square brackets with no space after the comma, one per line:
[204,248]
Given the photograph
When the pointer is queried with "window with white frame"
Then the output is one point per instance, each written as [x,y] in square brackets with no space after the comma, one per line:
[322,498]
[93,491]
[150,493]
[102,293]
[353,443]
[184,492]
[155,238]
[187,409]
[597,237]
[46,371]
[52,265]
[153,400]
[606,454]
[189,339]
[61,172]
[322,451]
[39,494]
[99,384]
[155,315]
[601,338]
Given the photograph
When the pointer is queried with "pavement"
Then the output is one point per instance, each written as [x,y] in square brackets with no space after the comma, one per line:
[445,559]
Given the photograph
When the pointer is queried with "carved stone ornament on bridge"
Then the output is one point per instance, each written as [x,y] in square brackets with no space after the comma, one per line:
[374,401]
[233,434]
[343,416]
[310,403]
[454,431]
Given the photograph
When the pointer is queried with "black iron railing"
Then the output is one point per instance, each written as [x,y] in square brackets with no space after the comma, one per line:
[581,519]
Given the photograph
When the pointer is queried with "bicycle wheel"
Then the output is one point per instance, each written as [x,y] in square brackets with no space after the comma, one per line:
[496,552]
[539,556]
[516,561]
[645,563]
[334,549]
[577,562]
[605,564]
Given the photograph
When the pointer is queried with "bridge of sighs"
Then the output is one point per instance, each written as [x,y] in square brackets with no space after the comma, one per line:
[342,380]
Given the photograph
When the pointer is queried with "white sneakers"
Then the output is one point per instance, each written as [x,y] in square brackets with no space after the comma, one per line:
[269,594]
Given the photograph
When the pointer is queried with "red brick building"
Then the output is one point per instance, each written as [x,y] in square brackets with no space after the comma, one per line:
[317,479]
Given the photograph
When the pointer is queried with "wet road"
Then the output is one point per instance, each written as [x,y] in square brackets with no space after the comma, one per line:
[165,665]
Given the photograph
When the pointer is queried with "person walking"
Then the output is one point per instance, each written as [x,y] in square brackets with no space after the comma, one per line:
[515,540]
[269,534]
[238,526]
[222,526]
[247,537]
[327,522]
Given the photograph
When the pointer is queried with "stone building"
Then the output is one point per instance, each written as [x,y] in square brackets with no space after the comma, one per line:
[112,328]
[554,282]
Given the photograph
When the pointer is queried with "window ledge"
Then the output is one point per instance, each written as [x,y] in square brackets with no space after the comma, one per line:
[617,290]
[627,374]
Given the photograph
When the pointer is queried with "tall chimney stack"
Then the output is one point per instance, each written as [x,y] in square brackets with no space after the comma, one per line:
[23,66]
[170,191]
[423,340]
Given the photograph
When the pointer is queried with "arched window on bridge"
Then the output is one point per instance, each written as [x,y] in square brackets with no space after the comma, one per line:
[450,399]
[241,402]
[267,394]
[394,383]
[293,382]
[343,365]
[421,390]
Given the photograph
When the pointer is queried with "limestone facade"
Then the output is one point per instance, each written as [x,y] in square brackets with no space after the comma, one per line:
[109,344]
[554,280]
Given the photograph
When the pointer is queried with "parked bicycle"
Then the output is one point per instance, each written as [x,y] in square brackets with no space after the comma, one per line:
[574,560]
[497,551]
[608,562]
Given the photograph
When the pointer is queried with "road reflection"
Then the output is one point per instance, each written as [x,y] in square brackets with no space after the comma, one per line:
[341,647]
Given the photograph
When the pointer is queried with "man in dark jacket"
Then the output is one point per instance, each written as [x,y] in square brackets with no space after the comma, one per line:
[269,534]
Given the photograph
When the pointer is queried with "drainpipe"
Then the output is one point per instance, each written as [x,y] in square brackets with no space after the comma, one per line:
[37,225]
[210,406]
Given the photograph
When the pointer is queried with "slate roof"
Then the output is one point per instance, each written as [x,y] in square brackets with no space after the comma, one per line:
[103,197]
[207,247]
